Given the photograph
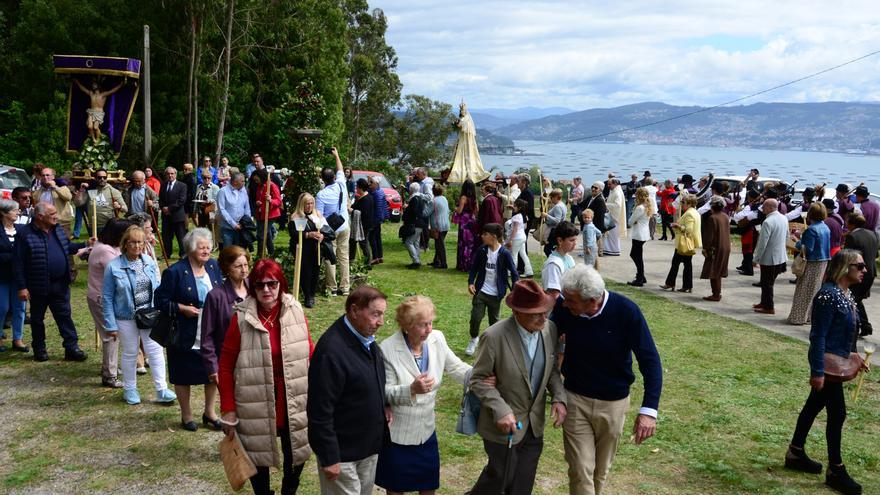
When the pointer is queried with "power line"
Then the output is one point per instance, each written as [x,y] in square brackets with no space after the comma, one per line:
[707,109]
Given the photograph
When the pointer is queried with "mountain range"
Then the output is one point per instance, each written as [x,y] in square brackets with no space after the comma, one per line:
[829,126]
[493,118]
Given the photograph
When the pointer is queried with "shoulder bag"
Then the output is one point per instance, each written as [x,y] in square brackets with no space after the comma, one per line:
[842,369]
[165,331]
[335,220]
[434,233]
[799,265]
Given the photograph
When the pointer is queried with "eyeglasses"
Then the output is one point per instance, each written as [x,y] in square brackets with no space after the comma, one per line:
[268,284]
[859,266]
[101,177]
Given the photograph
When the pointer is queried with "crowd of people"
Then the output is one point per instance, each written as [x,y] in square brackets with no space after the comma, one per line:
[366,409]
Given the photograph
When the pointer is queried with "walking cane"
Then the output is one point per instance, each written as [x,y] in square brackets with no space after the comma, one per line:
[161,243]
[266,217]
[508,459]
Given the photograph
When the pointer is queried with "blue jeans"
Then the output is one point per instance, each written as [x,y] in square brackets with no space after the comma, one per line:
[9,302]
[230,236]
[78,222]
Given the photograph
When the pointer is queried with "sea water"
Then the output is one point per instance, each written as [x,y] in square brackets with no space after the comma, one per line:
[593,161]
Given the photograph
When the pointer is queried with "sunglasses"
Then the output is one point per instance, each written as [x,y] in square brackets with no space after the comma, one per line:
[269,284]
[101,177]
[859,266]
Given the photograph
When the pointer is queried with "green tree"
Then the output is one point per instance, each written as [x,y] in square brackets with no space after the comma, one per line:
[373,89]
[422,129]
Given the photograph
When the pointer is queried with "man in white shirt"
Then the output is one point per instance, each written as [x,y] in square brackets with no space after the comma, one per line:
[333,199]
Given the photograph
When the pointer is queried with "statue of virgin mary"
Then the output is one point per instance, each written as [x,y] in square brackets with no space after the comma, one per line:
[466,163]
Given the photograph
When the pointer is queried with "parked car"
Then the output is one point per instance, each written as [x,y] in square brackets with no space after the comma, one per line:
[10,178]
[395,204]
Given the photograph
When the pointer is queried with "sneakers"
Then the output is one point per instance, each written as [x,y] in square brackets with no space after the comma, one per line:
[472,346]
[838,479]
[165,396]
[131,396]
[798,460]
[111,383]
[142,370]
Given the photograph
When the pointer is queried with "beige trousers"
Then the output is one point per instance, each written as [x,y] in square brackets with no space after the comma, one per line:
[341,247]
[591,433]
[355,478]
[109,347]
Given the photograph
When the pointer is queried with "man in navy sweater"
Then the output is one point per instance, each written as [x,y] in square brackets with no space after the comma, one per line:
[602,331]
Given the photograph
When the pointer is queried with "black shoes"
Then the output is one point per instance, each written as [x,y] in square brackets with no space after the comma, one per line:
[75,354]
[189,426]
[212,423]
[797,460]
[414,266]
[20,348]
[41,356]
[310,302]
[636,283]
[838,479]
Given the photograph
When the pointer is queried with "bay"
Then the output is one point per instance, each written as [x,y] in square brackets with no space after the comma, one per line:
[593,161]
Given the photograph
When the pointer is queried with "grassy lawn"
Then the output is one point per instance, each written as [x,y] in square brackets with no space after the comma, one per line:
[731,395]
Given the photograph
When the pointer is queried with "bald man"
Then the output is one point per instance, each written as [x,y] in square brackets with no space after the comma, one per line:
[138,197]
[770,253]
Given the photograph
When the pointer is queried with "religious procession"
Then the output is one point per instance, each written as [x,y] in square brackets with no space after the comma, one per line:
[282,290]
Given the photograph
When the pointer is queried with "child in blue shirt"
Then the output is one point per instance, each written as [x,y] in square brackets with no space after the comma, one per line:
[591,236]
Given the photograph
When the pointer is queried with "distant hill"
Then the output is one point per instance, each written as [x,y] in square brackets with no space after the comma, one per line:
[831,126]
[493,118]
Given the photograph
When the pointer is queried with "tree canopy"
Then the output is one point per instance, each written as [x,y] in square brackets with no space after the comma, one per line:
[227,78]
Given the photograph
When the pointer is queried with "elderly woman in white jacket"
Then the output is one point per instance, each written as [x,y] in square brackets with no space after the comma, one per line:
[415,360]
[639,222]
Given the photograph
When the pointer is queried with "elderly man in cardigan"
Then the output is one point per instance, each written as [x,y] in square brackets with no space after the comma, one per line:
[770,253]
[520,352]
[602,332]
[346,404]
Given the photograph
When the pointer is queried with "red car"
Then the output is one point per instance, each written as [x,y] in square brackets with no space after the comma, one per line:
[395,204]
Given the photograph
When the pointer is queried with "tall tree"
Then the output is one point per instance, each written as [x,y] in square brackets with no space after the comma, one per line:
[422,129]
[373,87]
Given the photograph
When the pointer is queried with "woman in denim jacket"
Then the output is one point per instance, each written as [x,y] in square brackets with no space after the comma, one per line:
[834,329]
[815,246]
[129,283]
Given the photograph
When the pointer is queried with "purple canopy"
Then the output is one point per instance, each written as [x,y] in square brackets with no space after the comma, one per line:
[119,106]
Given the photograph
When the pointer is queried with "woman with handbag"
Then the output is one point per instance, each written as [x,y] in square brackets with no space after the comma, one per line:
[416,358]
[686,245]
[129,282]
[268,327]
[105,250]
[832,341]
[315,234]
[815,249]
[181,295]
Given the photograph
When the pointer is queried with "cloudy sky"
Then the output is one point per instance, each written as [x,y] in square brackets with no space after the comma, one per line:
[580,54]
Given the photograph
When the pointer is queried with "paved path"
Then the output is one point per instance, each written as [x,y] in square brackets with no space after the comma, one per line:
[738,295]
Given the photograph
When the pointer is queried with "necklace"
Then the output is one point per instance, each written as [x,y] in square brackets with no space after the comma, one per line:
[271,316]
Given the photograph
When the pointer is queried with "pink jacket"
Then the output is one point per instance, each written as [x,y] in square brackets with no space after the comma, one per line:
[100,257]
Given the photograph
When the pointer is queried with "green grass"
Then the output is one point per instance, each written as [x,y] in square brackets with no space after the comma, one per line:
[731,396]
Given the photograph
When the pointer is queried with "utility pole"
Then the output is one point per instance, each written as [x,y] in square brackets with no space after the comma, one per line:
[148,120]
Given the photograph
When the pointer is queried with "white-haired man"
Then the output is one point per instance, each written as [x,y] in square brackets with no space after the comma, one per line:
[602,331]
[414,222]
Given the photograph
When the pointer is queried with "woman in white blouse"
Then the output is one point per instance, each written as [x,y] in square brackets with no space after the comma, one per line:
[639,222]
[415,360]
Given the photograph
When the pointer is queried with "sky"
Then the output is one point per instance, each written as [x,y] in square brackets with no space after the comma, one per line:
[579,54]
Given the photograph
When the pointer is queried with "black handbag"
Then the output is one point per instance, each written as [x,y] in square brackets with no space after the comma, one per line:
[146,318]
[165,332]
[335,220]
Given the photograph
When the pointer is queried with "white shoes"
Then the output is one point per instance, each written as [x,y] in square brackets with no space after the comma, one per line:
[472,346]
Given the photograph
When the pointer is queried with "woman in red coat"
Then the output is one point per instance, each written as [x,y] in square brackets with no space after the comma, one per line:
[261,178]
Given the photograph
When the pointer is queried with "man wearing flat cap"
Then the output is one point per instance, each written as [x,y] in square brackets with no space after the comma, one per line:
[520,352]
[870,209]
[844,203]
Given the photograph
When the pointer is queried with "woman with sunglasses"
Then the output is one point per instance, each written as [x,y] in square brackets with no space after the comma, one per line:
[268,327]
[834,331]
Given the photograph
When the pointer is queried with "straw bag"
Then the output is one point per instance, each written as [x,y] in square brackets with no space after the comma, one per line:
[238,466]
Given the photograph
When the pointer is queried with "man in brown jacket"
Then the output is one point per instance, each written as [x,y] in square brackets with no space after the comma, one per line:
[520,352]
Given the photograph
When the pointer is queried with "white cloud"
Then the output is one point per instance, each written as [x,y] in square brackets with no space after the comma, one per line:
[583,54]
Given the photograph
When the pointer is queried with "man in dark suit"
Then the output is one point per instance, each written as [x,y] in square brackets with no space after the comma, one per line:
[864,241]
[172,200]
[346,403]
[521,352]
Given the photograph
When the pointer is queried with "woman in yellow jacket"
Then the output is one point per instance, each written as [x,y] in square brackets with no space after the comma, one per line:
[687,242]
